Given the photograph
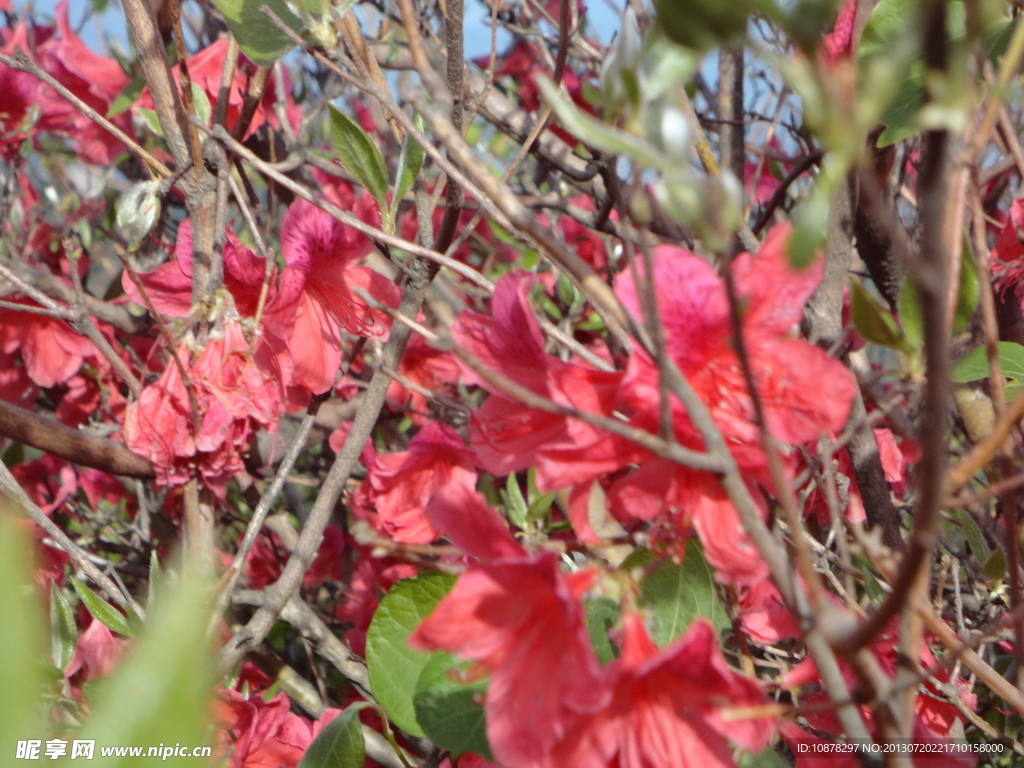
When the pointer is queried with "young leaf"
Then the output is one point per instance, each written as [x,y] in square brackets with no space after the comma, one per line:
[909,302]
[127,97]
[602,613]
[359,155]
[518,510]
[258,37]
[101,610]
[202,104]
[969,294]
[449,711]
[994,568]
[872,321]
[974,536]
[409,164]
[677,594]
[156,579]
[339,745]
[63,632]
[394,668]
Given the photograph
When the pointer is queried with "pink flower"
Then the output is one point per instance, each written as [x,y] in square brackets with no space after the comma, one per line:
[694,308]
[522,622]
[97,654]
[51,351]
[506,436]
[400,486]
[233,398]
[666,708]
[95,80]
[18,92]
[317,291]
[205,67]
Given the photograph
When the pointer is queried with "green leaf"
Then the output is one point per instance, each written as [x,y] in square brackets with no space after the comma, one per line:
[449,710]
[969,292]
[359,155]
[974,536]
[766,758]
[994,567]
[873,321]
[63,632]
[160,692]
[410,161]
[101,610]
[974,365]
[595,133]
[258,36]
[128,96]
[151,119]
[394,668]
[340,744]
[602,613]
[677,594]
[202,104]
[518,510]
[909,307]
[21,639]
[156,580]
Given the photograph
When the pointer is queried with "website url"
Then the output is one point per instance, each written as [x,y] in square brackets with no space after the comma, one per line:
[85,749]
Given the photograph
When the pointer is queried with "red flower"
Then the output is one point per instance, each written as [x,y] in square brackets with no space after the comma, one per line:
[507,437]
[694,309]
[92,78]
[523,623]
[265,734]
[18,92]
[205,67]
[400,486]
[51,350]
[97,654]
[665,709]
[233,398]
[317,291]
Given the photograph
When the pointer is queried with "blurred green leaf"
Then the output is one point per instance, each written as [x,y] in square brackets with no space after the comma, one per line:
[602,614]
[160,694]
[128,96]
[101,610]
[994,567]
[969,293]
[974,536]
[359,155]
[873,321]
[340,744]
[258,37]
[202,104]
[394,668]
[63,632]
[909,304]
[677,594]
[21,641]
[974,365]
[766,758]
[450,711]
[518,510]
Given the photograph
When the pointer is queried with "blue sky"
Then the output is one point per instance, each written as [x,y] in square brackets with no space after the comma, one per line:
[603,21]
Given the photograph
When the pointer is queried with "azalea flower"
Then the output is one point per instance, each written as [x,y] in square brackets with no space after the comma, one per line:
[522,621]
[51,351]
[96,80]
[261,734]
[233,398]
[317,291]
[666,707]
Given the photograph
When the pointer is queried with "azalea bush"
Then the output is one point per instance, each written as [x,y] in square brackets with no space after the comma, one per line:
[523,384]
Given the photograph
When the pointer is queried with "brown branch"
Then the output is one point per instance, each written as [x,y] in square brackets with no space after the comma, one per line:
[76,446]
